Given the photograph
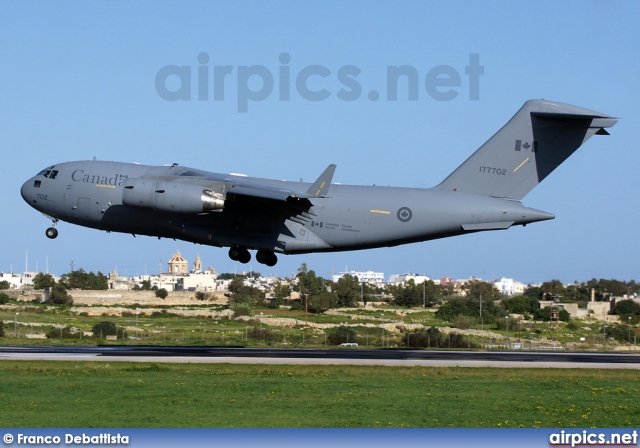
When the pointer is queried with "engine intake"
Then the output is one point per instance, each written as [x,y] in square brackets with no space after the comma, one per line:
[174,197]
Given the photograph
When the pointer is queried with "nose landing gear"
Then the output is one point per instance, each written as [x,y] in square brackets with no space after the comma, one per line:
[52,232]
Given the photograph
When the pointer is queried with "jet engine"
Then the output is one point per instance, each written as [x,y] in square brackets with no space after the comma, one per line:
[174,197]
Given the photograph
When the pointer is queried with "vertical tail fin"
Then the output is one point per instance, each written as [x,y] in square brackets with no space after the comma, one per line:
[539,137]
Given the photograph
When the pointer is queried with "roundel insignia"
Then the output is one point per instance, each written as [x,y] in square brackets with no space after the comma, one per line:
[404,214]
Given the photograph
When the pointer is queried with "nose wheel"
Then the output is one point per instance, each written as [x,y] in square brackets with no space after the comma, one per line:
[52,232]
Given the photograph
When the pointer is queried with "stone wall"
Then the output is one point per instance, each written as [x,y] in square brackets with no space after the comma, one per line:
[147,298]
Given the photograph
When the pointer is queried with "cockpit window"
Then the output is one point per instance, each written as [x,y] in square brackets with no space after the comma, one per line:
[49,173]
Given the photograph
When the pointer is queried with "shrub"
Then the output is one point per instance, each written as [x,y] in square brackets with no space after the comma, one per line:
[341,334]
[1,328]
[263,334]
[464,322]
[4,298]
[241,309]
[104,328]
[514,324]
[162,293]
[60,296]
[627,306]
[433,338]
[545,314]
[64,333]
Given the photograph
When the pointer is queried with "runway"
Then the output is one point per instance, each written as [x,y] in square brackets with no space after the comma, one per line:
[350,356]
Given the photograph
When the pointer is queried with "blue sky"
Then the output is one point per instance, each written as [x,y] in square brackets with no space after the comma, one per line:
[79,80]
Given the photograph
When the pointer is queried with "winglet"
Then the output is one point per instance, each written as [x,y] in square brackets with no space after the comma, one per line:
[320,187]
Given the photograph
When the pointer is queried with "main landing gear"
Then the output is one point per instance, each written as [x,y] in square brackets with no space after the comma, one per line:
[242,255]
[52,232]
[266,257]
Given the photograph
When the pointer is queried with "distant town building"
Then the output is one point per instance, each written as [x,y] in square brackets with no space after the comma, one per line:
[510,287]
[505,286]
[396,279]
[14,280]
[445,281]
[197,265]
[27,278]
[178,265]
[363,277]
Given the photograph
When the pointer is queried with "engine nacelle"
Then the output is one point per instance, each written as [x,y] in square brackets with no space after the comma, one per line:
[171,197]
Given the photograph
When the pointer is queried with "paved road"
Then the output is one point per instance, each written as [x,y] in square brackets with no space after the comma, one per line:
[346,356]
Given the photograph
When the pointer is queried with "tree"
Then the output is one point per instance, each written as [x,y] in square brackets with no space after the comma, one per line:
[553,288]
[59,295]
[408,294]
[243,298]
[4,284]
[319,303]
[348,291]
[162,293]
[624,307]
[308,282]
[42,281]
[282,291]
[545,314]
[81,280]
[104,329]
[4,298]
[534,291]
[521,304]
[468,306]
[475,288]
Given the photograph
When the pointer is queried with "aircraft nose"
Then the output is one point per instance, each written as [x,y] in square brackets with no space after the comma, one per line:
[26,190]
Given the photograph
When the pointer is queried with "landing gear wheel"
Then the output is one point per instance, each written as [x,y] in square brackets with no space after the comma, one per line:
[266,257]
[51,232]
[245,256]
[234,253]
[239,254]
[272,260]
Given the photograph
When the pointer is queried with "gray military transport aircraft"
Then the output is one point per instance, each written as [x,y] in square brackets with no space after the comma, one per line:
[272,216]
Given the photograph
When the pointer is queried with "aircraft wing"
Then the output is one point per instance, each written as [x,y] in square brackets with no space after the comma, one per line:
[255,189]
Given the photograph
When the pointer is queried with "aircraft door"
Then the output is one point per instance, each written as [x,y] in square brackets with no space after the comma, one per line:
[84,208]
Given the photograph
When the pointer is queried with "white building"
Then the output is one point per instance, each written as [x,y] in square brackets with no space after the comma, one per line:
[506,286]
[14,280]
[363,277]
[396,279]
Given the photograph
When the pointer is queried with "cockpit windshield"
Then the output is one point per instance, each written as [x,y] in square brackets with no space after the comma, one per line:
[49,173]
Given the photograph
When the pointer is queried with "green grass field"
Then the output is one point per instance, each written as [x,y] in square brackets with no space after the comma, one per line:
[85,394]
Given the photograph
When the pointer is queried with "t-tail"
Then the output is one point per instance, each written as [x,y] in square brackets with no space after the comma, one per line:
[539,137]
